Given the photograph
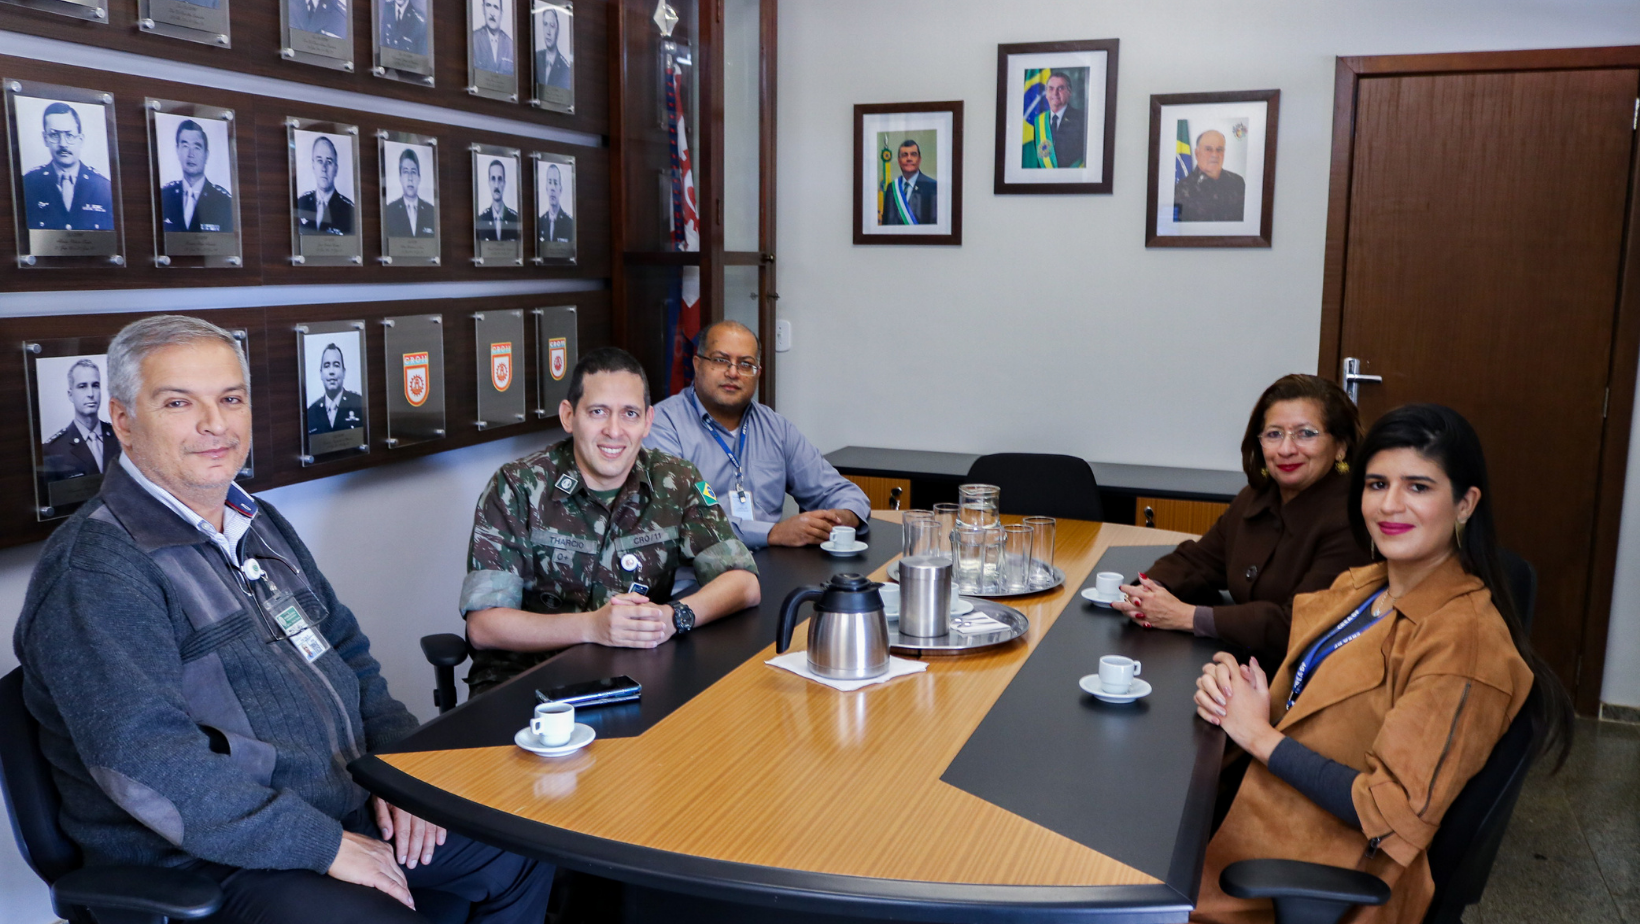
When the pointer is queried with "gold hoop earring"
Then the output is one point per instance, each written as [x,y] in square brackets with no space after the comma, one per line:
[1341,467]
[1457,532]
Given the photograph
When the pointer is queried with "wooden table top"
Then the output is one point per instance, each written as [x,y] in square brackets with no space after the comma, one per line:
[769,769]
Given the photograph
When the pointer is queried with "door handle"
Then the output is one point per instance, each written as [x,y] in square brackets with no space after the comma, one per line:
[1353,377]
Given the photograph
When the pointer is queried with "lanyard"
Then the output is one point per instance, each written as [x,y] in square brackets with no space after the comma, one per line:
[734,456]
[1326,645]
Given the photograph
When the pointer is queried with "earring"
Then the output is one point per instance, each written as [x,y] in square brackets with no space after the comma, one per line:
[1341,467]
[1265,472]
[1372,550]
[1457,532]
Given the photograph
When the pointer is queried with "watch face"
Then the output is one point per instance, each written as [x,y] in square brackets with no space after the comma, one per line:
[683,616]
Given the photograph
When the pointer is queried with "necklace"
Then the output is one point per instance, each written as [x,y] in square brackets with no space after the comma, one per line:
[1383,604]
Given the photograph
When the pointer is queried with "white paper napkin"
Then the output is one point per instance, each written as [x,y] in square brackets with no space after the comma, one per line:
[979,624]
[798,663]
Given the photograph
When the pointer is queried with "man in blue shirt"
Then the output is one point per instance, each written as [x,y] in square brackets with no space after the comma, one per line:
[752,456]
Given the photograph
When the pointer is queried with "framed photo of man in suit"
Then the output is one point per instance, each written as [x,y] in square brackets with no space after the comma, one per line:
[73,438]
[317,32]
[335,394]
[552,34]
[65,182]
[498,206]
[555,240]
[1212,173]
[492,57]
[195,171]
[402,37]
[908,173]
[410,203]
[324,189]
[202,21]
[1056,117]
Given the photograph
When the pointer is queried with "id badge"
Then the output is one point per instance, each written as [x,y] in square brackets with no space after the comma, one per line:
[740,505]
[294,624]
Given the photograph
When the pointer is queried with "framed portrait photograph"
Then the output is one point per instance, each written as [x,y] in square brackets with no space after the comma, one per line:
[335,402]
[195,176]
[552,35]
[402,41]
[492,60]
[65,179]
[498,224]
[409,184]
[317,32]
[324,185]
[94,10]
[908,173]
[1212,169]
[555,200]
[73,440]
[202,21]
[1056,117]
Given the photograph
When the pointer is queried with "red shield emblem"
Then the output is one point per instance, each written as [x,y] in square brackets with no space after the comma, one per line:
[501,367]
[415,379]
[557,356]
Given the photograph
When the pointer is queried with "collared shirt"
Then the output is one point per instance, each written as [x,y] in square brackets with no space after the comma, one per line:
[66,180]
[331,406]
[908,185]
[190,198]
[93,440]
[495,46]
[321,201]
[238,510]
[552,219]
[410,212]
[779,460]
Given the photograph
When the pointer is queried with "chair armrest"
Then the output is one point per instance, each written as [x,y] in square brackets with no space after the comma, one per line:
[174,893]
[444,650]
[1301,880]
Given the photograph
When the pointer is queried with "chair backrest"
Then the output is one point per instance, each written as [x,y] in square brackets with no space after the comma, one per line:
[1040,484]
[31,796]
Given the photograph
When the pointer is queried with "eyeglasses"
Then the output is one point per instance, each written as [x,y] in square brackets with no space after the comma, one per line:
[1303,436]
[57,137]
[746,366]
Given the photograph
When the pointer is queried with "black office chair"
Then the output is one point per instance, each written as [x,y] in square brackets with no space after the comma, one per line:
[444,651]
[1040,484]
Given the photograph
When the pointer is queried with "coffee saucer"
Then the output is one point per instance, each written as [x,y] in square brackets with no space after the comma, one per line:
[1092,595]
[578,739]
[832,548]
[1090,684]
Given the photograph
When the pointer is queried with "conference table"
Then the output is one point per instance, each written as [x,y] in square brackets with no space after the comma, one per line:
[987,788]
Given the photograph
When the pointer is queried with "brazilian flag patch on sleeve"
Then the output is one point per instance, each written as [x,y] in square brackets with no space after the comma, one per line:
[706,493]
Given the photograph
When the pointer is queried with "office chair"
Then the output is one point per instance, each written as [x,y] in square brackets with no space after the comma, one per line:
[1464,848]
[444,651]
[1041,484]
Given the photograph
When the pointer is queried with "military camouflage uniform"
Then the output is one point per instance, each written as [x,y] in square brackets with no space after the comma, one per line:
[543,544]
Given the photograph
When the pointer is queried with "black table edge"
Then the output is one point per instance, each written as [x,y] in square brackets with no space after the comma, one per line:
[769,886]
[1195,823]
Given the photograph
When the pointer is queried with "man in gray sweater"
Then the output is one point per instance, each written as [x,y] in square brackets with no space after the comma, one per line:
[201,690]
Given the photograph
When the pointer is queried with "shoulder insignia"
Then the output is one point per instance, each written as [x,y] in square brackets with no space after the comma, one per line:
[567,483]
[59,435]
[343,198]
[174,184]
[221,190]
[706,493]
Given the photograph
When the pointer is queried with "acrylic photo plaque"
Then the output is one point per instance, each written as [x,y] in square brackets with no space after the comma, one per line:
[65,179]
[410,199]
[202,21]
[414,368]
[498,200]
[500,341]
[557,353]
[318,32]
[492,55]
[555,240]
[552,37]
[194,169]
[324,188]
[335,412]
[402,40]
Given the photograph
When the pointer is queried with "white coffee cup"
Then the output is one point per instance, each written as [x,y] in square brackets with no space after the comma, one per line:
[1116,672]
[1108,583]
[842,537]
[555,722]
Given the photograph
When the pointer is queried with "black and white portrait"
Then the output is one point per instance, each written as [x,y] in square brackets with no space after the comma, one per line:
[76,437]
[496,197]
[555,198]
[410,186]
[193,157]
[64,158]
[491,43]
[332,371]
[320,17]
[404,26]
[326,167]
[553,28]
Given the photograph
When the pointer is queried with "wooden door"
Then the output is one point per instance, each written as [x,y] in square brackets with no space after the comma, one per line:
[1481,269]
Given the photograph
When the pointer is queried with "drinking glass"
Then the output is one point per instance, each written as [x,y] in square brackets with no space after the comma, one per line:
[1015,572]
[921,531]
[1042,540]
[947,515]
[970,545]
[977,504]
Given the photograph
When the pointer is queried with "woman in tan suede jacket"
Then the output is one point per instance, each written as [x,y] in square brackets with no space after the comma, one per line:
[1398,681]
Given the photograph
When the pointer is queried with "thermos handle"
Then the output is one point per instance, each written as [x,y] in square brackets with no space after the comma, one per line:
[788,614]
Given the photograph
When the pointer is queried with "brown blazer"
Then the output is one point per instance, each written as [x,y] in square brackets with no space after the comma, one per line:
[1265,552]
[1415,705]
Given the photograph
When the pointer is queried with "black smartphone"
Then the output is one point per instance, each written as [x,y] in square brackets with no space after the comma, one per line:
[620,689]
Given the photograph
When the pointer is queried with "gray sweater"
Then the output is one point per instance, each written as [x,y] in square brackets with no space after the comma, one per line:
[175,727]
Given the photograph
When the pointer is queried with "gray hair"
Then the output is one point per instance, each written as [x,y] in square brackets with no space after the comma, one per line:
[142,338]
[82,364]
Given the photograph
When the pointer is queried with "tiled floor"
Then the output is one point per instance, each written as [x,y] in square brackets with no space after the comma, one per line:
[1572,853]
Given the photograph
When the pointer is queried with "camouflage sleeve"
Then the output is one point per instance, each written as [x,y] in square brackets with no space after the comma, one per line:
[498,556]
[708,541]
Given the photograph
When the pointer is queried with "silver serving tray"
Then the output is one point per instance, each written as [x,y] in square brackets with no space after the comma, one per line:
[1058,579]
[955,643]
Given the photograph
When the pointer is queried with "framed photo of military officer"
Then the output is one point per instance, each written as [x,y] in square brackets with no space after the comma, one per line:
[1212,169]
[318,32]
[1056,117]
[908,173]
[492,60]
[414,366]
[203,21]
[409,185]
[324,187]
[335,401]
[500,339]
[552,35]
[498,224]
[555,199]
[73,441]
[192,151]
[403,41]
[95,10]
[65,181]
[556,354]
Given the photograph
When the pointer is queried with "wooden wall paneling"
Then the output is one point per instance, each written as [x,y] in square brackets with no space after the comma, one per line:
[877,490]
[256,37]
[1186,516]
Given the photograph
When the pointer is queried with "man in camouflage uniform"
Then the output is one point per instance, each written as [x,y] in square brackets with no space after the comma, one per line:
[582,541]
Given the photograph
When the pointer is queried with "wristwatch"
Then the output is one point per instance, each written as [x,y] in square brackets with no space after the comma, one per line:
[683,618]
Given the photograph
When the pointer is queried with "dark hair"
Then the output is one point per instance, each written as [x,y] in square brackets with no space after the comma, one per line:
[314,148]
[1442,436]
[1337,412]
[908,143]
[605,359]
[339,354]
[61,109]
[189,125]
[409,154]
[493,164]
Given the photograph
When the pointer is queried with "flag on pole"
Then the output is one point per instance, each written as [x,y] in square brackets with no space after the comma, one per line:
[1183,161]
[1038,148]
[683,302]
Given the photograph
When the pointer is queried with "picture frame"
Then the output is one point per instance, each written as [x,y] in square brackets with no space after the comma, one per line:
[916,142]
[194,170]
[557,348]
[52,129]
[413,364]
[556,241]
[492,50]
[94,10]
[498,206]
[401,40]
[552,41]
[332,369]
[1186,204]
[202,21]
[1056,117]
[71,434]
[320,33]
[324,233]
[501,364]
[410,203]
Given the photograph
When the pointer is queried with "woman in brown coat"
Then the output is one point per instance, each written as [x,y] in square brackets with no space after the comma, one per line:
[1286,533]
[1398,682]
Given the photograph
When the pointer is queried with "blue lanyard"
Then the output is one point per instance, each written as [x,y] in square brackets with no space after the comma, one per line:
[740,451]
[1326,645]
